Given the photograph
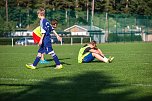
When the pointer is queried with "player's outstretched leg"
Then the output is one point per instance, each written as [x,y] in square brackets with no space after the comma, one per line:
[36,61]
[99,57]
[56,60]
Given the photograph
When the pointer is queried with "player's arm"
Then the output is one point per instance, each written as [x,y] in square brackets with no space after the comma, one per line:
[58,37]
[98,51]
[42,30]
[40,42]
[93,51]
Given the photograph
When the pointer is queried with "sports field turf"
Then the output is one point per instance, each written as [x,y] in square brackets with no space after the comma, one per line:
[127,78]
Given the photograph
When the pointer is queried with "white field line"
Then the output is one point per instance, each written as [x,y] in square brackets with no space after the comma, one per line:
[114,84]
[16,53]
[15,79]
[130,62]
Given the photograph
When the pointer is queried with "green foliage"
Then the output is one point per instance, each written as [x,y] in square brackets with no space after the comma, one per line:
[22,13]
[124,37]
[6,27]
[112,6]
[8,41]
[67,40]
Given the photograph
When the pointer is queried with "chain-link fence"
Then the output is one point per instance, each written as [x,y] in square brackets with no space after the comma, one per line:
[102,27]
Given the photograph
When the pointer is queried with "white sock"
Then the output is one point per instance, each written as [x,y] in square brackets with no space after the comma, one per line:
[105,59]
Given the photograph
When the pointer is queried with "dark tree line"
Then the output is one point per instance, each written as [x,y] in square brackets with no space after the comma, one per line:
[20,11]
[113,6]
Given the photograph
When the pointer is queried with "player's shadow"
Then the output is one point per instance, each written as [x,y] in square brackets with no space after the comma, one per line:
[89,86]
[95,61]
[52,66]
[59,59]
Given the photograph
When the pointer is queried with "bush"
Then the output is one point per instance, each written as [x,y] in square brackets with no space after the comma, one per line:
[124,37]
[7,41]
[76,39]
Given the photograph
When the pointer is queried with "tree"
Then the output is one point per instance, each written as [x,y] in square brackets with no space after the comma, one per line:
[6,27]
[141,7]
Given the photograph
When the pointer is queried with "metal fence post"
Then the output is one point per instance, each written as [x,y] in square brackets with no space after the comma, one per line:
[71,40]
[25,42]
[12,42]
[81,40]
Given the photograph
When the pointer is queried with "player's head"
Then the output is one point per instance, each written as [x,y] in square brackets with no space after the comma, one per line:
[41,12]
[93,44]
[54,23]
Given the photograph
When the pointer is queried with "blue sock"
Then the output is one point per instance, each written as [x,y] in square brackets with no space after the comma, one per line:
[56,60]
[36,61]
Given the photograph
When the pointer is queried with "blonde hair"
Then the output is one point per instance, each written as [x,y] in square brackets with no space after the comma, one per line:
[41,11]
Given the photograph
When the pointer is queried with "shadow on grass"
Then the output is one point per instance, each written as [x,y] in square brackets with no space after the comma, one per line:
[59,59]
[96,61]
[63,63]
[90,86]
[53,66]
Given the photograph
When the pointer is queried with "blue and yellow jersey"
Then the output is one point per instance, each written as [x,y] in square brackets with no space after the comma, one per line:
[82,54]
[46,29]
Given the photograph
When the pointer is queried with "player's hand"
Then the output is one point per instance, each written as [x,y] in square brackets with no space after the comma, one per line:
[59,38]
[40,42]
[96,51]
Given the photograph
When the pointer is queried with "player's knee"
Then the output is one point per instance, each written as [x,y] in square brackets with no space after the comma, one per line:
[93,54]
[52,53]
[39,55]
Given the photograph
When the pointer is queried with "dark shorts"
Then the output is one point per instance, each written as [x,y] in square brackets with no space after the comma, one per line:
[45,50]
[88,58]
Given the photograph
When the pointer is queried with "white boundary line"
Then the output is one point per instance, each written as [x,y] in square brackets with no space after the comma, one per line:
[14,79]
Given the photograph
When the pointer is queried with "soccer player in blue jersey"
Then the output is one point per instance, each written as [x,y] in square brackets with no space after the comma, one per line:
[45,40]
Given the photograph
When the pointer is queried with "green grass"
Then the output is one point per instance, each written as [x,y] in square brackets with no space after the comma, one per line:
[127,78]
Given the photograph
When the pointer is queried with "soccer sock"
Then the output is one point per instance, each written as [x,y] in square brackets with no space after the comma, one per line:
[55,58]
[105,59]
[36,61]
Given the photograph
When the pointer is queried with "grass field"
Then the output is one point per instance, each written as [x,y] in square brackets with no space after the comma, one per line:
[127,78]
